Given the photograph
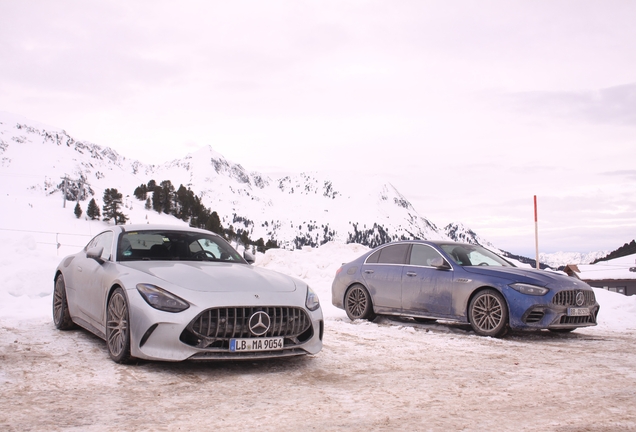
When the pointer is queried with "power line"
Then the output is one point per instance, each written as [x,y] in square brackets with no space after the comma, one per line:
[44,232]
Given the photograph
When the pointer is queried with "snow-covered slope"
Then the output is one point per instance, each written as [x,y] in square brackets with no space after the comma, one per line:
[561,259]
[617,268]
[295,210]
[456,231]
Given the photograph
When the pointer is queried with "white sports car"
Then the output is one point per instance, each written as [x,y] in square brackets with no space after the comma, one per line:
[170,293]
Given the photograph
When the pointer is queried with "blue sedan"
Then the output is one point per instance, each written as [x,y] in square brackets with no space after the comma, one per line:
[436,280]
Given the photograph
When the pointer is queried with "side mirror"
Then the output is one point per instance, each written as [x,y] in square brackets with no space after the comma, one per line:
[249,257]
[439,263]
[96,254]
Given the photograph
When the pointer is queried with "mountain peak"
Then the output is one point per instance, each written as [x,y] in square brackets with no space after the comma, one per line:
[295,210]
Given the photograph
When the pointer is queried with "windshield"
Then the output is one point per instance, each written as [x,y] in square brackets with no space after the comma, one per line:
[175,245]
[471,255]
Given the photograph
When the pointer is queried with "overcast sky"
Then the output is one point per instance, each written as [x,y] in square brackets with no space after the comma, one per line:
[469,108]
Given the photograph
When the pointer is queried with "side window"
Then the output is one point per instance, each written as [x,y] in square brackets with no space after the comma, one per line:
[373,258]
[394,254]
[91,244]
[422,255]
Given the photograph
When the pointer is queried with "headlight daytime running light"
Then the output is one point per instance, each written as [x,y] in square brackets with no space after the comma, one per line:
[312,301]
[528,289]
[161,299]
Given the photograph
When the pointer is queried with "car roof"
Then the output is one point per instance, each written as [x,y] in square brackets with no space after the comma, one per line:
[433,242]
[158,227]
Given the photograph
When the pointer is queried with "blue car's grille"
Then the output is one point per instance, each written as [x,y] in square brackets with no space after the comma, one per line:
[214,328]
[568,298]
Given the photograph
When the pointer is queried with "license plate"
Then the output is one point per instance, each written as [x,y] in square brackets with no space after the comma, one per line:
[256,344]
[578,311]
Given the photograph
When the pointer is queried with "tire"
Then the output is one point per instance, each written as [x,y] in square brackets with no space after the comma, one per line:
[488,314]
[358,304]
[61,316]
[118,327]
[424,320]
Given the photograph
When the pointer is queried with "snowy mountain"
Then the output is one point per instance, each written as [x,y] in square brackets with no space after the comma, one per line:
[458,232]
[561,259]
[38,161]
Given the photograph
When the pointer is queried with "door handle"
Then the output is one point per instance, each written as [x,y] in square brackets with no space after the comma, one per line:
[368,271]
[411,274]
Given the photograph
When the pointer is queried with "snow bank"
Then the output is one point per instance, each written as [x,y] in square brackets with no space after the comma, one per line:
[316,266]
[27,271]
[618,312]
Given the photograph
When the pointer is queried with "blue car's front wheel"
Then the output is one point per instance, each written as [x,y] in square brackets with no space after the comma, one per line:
[488,313]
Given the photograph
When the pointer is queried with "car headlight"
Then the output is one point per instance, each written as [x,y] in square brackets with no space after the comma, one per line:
[161,299]
[529,289]
[312,301]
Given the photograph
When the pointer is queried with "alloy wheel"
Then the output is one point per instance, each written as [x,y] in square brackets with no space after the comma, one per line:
[117,325]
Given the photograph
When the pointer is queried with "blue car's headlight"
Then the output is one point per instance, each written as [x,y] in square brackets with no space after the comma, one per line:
[529,289]
[161,299]
[312,301]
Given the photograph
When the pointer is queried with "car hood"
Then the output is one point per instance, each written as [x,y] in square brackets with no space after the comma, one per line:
[532,276]
[214,277]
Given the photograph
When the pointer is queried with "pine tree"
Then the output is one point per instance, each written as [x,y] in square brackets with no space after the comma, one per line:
[260,245]
[93,210]
[230,234]
[78,210]
[245,239]
[141,192]
[120,218]
[148,204]
[167,192]
[112,204]
[214,224]
[157,199]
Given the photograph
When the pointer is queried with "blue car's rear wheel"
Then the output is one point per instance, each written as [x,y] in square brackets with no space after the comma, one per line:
[358,304]
[118,327]
[488,313]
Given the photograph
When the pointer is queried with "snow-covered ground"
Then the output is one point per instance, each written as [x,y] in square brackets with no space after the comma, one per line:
[384,375]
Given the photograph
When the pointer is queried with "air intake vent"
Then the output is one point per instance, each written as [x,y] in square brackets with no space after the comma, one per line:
[534,316]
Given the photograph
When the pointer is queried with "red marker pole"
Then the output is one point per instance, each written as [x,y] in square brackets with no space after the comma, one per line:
[536,232]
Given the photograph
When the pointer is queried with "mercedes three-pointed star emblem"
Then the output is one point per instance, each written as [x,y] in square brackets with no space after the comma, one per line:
[580,298]
[259,323]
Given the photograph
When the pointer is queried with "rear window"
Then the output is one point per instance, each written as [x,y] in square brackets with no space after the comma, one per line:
[394,254]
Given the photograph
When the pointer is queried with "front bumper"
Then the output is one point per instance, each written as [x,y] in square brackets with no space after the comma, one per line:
[550,311]
[157,335]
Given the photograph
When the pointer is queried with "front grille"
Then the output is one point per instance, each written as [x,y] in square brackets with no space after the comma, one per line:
[213,328]
[568,298]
